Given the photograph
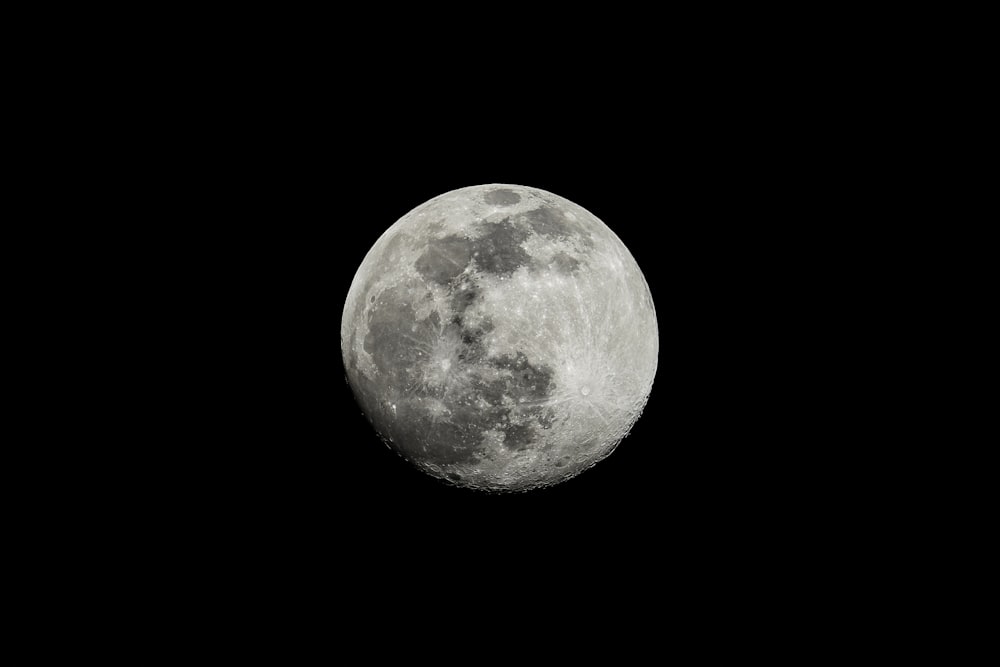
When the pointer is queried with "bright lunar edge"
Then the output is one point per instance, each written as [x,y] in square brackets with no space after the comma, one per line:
[500,337]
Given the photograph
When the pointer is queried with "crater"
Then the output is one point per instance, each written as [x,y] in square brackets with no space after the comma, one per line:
[502,197]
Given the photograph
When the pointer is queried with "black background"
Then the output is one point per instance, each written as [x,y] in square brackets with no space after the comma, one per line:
[252,169]
[723,196]
[720,454]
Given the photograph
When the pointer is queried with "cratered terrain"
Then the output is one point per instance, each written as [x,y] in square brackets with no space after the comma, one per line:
[500,337]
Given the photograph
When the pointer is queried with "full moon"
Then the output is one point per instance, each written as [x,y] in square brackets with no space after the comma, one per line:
[500,337]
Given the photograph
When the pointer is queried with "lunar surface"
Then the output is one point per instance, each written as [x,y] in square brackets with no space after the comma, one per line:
[500,337]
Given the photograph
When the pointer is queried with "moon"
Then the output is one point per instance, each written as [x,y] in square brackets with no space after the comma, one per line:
[500,337]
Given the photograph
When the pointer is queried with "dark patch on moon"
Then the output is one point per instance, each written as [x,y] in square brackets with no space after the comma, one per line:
[445,259]
[533,382]
[492,391]
[390,253]
[546,418]
[390,351]
[552,223]
[478,392]
[392,330]
[563,263]
[481,393]
[518,436]
[548,221]
[502,197]
[473,350]
[463,298]
[499,250]
[444,442]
